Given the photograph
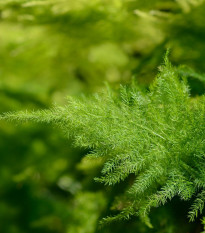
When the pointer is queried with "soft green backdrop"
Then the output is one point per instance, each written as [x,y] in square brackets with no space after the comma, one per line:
[53,48]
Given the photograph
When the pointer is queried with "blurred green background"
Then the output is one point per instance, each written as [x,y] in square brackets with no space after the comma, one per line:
[50,49]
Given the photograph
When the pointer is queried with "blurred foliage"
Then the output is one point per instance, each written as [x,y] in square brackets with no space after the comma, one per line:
[54,48]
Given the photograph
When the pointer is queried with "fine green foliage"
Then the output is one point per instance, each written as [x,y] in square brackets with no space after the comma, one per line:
[154,138]
[54,48]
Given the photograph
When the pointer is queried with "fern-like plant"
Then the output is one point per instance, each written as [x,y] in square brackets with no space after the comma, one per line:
[156,137]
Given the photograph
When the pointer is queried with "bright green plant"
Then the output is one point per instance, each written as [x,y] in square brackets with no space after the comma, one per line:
[152,140]
[53,48]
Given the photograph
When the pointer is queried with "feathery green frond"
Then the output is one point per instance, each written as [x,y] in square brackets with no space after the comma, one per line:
[157,137]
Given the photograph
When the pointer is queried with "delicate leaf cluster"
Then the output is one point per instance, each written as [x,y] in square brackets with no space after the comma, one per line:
[155,136]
